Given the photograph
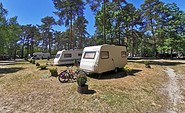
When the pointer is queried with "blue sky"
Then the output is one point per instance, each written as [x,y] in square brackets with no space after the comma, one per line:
[31,11]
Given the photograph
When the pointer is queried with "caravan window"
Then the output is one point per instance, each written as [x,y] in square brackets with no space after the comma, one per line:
[89,55]
[67,55]
[79,54]
[123,54]
[57,56]
[104,54]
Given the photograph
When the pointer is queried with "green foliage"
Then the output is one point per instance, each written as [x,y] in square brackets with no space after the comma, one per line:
[81,79]
[156,27]
[42,67]
[61,41]
[33,61]
[53,72]
[3,32]
[46,27]
[26,59]
[65,6]
[46,76]
[67,10]
[127,69]
[80,29]
[75,63]
[37,64]
[146,62]
[9,33]
[120,24]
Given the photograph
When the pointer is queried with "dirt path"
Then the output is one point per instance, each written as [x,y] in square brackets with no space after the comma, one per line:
[173,90]
[2,63]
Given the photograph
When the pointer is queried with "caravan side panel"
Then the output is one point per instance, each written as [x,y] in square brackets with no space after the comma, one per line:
[105,62]
[89,60]
[111,57]
[107,58]
[68,57]
[120,56]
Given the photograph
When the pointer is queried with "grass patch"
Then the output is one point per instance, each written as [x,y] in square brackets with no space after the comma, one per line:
[45,76]
[36,91]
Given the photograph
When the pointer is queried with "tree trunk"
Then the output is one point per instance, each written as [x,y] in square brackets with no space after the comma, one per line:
[31,46]
[104,19]
[171,50]
[132,42]
[71,27]
[27,49]
[50,41]
[119,36]
[15,49]
[154,41]
[71,39]
[80,42]
[22,51]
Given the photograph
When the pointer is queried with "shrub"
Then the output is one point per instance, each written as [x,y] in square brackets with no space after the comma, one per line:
[53,72]
[81,79]
[37,64]
[26,59]
[127,69]
[75,63]
[33,61]
[42,67]
[147,64]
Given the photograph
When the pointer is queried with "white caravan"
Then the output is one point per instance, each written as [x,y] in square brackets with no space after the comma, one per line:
[103,58]
[40,55]
[67,57]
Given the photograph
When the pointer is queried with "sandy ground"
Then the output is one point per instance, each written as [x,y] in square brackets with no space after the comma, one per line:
[24,88]
[173,90]
[6,62]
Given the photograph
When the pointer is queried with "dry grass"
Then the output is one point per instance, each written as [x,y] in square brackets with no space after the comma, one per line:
[28,89]
[180,70]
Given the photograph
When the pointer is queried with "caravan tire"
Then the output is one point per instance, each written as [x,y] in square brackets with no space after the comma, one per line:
[116,69]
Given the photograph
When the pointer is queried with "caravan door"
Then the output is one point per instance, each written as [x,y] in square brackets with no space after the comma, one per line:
[106,62]
[57,58]
[89,61]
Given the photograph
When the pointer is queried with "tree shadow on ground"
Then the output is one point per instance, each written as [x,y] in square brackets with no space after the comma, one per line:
[113,75]
[4,63]
[161,63]
[90,91]
[133,71]
[10,70]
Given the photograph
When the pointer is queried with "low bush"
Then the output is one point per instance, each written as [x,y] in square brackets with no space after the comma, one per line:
[81,79]
[30,61]
[26,59]
[37,64]
[53,72]
[147,64]
[127,69]
[42,67]
[33,61]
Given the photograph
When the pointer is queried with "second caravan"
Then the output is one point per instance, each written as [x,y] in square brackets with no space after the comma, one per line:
[65,57]
[40,55]
[103,58]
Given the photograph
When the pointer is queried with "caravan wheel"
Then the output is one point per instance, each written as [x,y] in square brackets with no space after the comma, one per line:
[116,69]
